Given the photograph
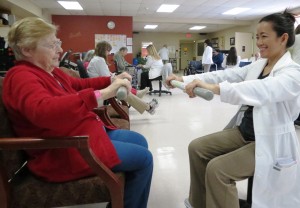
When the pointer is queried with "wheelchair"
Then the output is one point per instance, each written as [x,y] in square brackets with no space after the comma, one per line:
[194,67]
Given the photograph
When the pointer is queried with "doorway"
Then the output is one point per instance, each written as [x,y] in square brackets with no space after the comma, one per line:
[244,44]
[187,53]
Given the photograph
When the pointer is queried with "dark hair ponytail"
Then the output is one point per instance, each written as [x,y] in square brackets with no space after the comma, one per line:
[207,41]
[282,23]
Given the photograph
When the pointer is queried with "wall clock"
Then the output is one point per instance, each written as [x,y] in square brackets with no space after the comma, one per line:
[111,25]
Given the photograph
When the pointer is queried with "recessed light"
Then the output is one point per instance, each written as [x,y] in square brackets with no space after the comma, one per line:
[167,8]
[197,27]
[70,5]
[150,26]
[235,11]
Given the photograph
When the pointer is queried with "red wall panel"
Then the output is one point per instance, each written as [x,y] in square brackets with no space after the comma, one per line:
[78,32]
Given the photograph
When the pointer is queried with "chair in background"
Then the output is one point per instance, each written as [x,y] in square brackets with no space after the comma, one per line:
[244,63]
[213,67]
[65,58]
[166,70]
[116,66]
[194,67]
[20,188]
[81,69]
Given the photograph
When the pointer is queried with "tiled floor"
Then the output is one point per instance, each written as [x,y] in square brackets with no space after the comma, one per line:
[178,120]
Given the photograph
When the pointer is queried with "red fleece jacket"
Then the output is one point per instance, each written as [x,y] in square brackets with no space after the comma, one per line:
[41,105]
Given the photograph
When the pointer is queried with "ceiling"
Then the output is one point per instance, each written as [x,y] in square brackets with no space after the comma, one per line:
[190,12]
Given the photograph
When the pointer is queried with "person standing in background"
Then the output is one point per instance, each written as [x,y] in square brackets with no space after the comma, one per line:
[207,55]
[120,60]
[164,54]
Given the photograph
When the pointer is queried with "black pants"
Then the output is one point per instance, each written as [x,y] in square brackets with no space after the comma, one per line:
[145,82]
[297,121]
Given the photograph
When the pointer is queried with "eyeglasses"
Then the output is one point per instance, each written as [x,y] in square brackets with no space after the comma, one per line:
[55,45]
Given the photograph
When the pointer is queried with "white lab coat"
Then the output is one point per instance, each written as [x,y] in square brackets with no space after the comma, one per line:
[276,106]
[207,55]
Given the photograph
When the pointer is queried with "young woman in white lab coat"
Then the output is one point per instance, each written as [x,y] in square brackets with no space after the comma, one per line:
[268,91]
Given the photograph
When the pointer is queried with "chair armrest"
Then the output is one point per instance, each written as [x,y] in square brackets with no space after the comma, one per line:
[19,143]
[111,180]
[118,108]
[103,114]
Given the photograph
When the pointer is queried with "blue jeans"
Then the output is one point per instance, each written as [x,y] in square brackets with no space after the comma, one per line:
[137,163]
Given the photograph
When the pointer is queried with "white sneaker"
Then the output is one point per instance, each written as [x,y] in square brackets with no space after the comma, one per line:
[142,93]
[153,105]
[187,203]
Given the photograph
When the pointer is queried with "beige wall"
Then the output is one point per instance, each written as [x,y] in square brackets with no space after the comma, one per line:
[225,35]
[173,40]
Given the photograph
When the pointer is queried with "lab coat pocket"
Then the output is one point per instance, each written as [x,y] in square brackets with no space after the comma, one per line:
[283,175]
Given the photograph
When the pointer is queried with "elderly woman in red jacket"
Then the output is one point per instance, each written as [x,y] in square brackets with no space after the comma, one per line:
[43,101]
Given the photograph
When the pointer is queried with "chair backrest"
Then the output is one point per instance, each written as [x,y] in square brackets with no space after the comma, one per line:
[116,67]
[65,57]
[82,71]
[244,63]
[195,64]
[70,72]
[11,161]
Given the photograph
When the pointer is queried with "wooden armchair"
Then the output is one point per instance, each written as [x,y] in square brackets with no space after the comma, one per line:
[20,188]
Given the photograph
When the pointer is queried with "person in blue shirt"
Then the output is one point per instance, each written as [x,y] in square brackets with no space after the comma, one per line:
[217,59]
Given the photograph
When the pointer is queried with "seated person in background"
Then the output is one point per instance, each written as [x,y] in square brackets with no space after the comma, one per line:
[119,58]
[255,58]
[140,59]
[232,59]
[217,59]
[98,68]
[87,58]
[43,101]
[154,67]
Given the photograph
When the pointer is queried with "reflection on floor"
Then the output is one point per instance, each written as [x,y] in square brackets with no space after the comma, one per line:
[178,120]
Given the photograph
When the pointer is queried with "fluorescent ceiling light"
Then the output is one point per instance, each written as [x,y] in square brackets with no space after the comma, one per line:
[197,27]
[235,11]
[167,8]
[150,27]
[70,5]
